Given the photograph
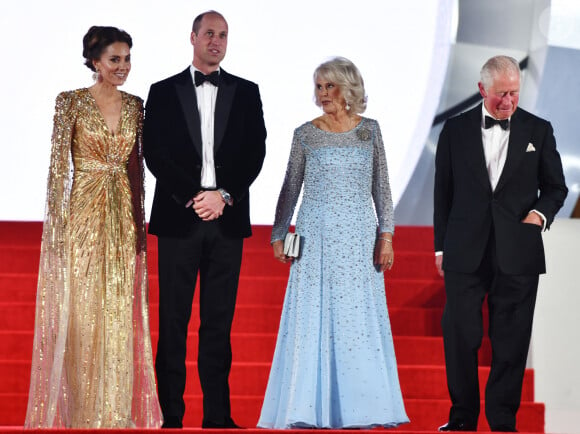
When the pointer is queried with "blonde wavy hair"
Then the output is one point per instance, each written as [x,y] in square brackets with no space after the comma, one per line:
[344,74]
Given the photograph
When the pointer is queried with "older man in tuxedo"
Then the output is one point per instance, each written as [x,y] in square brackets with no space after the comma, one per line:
[204,141]
[498,183]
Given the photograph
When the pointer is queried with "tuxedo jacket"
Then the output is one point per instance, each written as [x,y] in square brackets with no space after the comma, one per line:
[172,148]
[467,211]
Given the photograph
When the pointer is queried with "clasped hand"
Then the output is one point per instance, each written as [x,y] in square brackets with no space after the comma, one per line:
[208,205]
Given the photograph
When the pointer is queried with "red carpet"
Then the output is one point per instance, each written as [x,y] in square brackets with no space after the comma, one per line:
[415,297]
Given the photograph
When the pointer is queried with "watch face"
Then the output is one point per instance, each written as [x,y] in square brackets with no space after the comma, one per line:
[225,195]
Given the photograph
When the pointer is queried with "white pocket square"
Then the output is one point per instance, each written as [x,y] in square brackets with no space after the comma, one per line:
[530,148]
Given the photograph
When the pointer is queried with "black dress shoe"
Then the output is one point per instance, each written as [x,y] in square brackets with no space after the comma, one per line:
[458,426]
[172,422]
[228,424]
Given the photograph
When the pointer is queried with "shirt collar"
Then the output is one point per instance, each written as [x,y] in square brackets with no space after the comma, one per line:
[192,70]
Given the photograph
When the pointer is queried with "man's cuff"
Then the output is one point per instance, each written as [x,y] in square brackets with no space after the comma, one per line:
[542,216]
[438,253]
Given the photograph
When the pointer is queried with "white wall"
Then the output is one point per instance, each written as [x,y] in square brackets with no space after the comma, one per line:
[555,347]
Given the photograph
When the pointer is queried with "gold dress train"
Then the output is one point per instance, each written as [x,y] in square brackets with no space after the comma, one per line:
[92,361]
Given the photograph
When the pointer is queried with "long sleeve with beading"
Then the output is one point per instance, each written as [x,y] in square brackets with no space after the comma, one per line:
[381,189]
[291,188]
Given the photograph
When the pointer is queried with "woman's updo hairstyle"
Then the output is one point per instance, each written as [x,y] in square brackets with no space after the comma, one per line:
[98,38]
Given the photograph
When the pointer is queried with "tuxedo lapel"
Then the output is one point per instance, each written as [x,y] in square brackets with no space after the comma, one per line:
[474,146]
[223,106]
[516,149]
[188,100]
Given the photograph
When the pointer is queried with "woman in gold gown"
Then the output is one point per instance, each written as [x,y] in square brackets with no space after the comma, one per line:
[92,361]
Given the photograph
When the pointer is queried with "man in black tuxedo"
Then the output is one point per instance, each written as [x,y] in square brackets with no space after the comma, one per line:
[498,183]
[204,141]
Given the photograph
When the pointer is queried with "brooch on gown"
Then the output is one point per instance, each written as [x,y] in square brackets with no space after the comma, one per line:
[363,134]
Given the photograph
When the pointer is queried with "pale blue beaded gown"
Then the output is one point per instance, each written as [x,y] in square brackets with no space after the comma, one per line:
[334,365]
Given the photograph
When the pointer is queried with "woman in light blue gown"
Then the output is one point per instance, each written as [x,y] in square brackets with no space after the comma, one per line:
[334,365]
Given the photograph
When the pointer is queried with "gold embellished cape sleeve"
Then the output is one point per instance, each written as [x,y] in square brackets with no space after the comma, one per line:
[46,403]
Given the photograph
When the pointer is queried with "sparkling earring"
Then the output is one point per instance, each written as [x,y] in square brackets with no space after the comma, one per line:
[96,75]
[347,107]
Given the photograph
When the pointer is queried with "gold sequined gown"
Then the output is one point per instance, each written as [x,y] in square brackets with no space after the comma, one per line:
[92,360]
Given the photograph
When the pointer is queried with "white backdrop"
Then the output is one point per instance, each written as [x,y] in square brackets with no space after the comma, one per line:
[400,47]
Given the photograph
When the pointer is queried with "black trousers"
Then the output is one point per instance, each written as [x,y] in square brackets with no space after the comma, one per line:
[511,301]
[217,260]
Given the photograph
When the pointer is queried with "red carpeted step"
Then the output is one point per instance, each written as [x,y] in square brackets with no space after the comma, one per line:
[412,265]
[20,233]
[21,287]
[259,262]
[417,382]
[265,318]
[19,259]
[259,347]
[405,321]
[271,289]
[409,238]
[425,415]
[415,292]
[16,345]
[415,297]
[18,287]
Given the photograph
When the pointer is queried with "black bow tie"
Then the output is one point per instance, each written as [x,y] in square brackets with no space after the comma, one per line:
[213,78]
[490,122]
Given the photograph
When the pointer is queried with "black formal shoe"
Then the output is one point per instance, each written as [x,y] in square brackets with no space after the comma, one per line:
[504,428]
[458,426]
[228,424]
[172,422]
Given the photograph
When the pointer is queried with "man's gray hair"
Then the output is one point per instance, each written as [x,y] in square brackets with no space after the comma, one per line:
[496,65]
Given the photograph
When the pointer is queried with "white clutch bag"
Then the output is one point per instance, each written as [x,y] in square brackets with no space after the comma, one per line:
[292,245]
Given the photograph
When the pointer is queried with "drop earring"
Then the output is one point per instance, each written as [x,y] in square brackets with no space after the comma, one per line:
[347,107]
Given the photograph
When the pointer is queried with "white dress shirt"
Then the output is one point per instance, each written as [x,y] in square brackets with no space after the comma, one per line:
[495,146]
[206,97]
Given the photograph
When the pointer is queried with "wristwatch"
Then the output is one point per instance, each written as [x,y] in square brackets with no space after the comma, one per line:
[226,196]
